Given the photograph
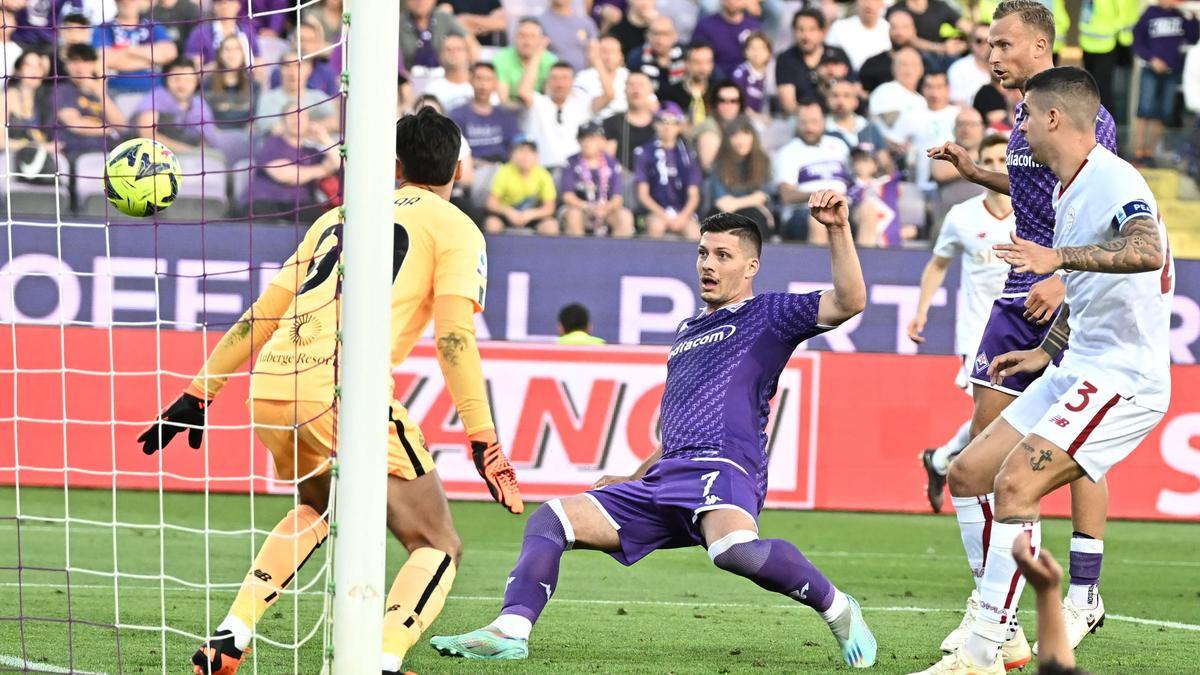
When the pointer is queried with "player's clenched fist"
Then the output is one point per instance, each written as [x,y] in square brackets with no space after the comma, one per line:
[187,412]
[1042,572]
[829,208]
[494,469]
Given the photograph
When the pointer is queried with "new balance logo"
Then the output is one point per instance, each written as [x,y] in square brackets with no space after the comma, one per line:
[1060,420]
[262,575]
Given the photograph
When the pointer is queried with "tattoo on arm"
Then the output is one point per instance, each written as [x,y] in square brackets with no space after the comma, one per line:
[1060,332]
[240,330]
[450,346]
[1138,249]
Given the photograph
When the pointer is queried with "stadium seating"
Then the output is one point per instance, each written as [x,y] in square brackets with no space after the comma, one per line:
[26,198]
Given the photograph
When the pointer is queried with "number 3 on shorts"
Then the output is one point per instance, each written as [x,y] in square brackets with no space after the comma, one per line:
[709,478]
[1086,392]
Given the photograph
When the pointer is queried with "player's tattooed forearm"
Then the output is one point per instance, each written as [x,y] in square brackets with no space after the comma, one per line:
[240,330]
[1060,333]
[1038,459]
[1138,249]
[450,346]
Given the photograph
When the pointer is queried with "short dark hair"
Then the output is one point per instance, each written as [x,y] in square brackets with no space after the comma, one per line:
[574,317]
[181,63]
[698,45]
[75,19]
[482,64]
[1032,12]
[560,65]
[427,147]
[739,226]
[810,13]
[1071,90]
[82,52]
[993,140]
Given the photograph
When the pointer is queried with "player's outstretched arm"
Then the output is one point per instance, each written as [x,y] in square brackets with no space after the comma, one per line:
[932,279]
[234,349]
[849,295]
[458,357]
[1045,574]
[958,156]
[1138,248]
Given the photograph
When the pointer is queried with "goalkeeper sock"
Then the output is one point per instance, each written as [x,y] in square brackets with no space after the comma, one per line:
[416,598]
[284,552]
[548,534]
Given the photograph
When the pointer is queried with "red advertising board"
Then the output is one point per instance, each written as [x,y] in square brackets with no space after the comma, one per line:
[845,431]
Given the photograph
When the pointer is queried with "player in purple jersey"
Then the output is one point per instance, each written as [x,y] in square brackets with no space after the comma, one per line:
[706,484]
[1021,37]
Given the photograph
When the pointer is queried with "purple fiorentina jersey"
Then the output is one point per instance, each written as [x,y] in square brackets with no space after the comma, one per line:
[722,373]
[1032,185]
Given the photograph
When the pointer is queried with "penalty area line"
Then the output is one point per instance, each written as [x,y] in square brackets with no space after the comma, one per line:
[36,667]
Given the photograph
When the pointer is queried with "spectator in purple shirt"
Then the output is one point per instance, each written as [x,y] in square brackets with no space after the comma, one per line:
[751,75]
[423,28]
[34,19]
[1159,39]
[726,31]
[668,178]
[296,156]
[591,189]
[132,49]
[488,128]
[312,48]
[175,113]
[205,40]
[88,121]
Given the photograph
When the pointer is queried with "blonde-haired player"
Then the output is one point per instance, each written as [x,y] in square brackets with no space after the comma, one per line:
[440,273]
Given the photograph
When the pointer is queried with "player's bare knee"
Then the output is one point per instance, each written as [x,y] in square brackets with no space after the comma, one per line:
[446,541]
[1014,497]
[961,480]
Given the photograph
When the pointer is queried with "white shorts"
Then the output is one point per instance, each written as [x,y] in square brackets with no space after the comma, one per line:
[1094,424]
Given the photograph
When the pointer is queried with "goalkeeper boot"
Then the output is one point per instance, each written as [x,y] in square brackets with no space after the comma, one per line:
[858,649]
[218,655]
[484,644]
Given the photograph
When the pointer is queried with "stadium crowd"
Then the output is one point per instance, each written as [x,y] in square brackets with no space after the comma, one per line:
[602,117]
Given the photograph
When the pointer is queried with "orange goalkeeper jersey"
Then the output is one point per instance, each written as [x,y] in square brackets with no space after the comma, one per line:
[438,251]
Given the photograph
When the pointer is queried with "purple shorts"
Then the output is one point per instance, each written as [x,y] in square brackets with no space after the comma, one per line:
[662,509]
[1008,331]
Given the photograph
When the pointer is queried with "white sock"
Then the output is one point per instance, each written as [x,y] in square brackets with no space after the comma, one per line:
[943,455]
[837,608]
[241,632]
[390,662]
[983,645]
[1084,596]
[974,519]
[1000,589]
[513,625]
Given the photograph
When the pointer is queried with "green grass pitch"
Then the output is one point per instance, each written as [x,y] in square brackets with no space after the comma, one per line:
[671,613]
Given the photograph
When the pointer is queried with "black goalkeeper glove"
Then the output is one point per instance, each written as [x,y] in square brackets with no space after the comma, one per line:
[186,410]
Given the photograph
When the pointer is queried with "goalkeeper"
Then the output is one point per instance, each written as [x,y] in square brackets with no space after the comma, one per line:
[440,272]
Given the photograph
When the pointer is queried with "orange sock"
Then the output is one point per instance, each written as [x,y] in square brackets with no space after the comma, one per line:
[286,549]
[416,598]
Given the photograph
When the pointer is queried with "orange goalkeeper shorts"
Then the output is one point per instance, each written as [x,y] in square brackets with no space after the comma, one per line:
[301,436]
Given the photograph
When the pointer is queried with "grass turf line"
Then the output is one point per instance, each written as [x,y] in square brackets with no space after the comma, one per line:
[724,624]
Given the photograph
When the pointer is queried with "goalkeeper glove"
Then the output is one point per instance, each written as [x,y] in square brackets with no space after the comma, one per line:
[495,470]
[187,412]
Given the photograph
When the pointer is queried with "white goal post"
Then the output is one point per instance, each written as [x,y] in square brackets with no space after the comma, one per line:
[361,489]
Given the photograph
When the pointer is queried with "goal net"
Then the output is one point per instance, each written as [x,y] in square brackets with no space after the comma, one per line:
[112,560]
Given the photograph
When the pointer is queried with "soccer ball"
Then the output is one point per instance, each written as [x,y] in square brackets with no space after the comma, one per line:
[141,177]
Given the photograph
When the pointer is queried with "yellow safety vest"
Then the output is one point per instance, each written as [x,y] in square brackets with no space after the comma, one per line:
[579,337]
[1100,21]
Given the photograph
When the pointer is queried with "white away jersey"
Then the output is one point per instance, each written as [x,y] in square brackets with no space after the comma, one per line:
[1119,323]
[970,229]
